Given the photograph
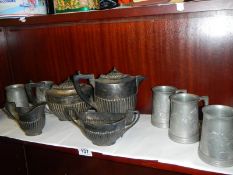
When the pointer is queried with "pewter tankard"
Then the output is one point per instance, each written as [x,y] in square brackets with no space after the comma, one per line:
[216,145]
[161,105]
[184,120]
[16,93]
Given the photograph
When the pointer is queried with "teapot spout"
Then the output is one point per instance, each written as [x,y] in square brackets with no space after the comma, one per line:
[139,78]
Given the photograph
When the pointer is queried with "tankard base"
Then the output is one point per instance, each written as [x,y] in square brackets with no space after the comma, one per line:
[159,124]
[211,161]
[189,140]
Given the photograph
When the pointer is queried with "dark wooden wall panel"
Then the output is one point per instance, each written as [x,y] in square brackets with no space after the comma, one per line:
[5,71]
[189,51]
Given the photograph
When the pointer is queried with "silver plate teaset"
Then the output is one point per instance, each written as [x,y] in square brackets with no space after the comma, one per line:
[104,108]
[178,111]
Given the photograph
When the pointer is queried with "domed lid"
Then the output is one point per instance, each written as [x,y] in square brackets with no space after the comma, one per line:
[64,89]
[66,85]
[114,75]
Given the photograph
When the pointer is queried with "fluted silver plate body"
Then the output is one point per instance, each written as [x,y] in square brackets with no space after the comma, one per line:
[118,105]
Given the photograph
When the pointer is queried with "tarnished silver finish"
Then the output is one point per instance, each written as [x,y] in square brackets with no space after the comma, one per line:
[36,91]
[114,92]
[161,105]
[31,119]
[116,105]
[216,144]
[184,119]
[16,93]
[103,128]
[64,95]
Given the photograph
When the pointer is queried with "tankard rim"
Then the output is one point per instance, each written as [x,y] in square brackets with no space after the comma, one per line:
[14,86]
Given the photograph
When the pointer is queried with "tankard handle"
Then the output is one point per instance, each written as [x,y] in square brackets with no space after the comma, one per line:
[181,91]
[90,78]
[205,99]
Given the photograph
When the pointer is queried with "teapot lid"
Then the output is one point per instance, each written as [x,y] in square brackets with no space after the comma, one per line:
[64,89]
[114,75]
[66,85]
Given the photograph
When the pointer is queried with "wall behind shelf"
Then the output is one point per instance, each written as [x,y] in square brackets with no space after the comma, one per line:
[191,51]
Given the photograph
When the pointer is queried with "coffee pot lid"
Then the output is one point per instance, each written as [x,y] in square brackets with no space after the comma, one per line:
[114,75]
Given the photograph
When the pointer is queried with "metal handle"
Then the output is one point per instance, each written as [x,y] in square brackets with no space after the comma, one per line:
[136,116]
[205,99]
[78,89]
[32,96]
[181,91]
[73,118]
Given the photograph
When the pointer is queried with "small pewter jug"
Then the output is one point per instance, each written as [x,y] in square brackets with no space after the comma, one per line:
[115,92]
[161,105]
[184,121]
[16,93]
[216,145]
[36,91]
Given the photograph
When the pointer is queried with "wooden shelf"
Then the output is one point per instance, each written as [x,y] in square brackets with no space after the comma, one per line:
[120,13]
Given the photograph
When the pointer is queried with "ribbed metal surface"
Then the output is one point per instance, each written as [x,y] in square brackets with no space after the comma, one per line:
[120,105]
[58,109]
[104,138]
[34,127]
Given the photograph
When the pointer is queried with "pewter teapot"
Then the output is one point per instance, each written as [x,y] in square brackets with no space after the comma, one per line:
[114,92]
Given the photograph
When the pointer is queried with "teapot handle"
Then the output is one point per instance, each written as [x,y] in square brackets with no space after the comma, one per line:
[32,96]
[78,89]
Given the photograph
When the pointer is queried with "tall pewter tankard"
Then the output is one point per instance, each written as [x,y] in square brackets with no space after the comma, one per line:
[161,105]
[216,145]
[16,93]
[184,119]
[115,92]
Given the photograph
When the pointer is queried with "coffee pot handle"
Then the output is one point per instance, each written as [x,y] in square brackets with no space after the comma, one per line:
[90,78]
[205,99]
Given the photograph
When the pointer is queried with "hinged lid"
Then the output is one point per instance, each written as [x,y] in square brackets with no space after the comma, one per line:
[66,85]
[114,75]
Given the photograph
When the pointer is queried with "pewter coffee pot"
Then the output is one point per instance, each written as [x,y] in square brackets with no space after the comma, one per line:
[114,92]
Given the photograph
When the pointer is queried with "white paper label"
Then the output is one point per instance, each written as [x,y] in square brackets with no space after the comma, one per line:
[84,152]
[180,7]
